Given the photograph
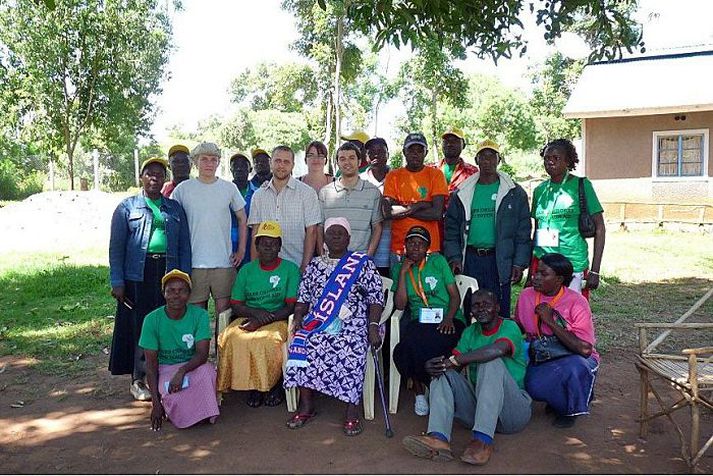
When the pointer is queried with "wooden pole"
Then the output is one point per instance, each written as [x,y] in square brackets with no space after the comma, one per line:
[95,159]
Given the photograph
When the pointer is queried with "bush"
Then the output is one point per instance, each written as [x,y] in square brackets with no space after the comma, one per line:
[16,184]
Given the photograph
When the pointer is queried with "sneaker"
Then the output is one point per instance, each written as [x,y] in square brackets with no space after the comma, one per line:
[421,407]
[139,391]
[477,452]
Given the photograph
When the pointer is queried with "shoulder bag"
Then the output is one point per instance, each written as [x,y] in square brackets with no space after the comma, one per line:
[586,223]
[545,348]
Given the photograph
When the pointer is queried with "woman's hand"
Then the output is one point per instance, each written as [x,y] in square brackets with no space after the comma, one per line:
[119,293]
[545,312]
[374,337]
[592,280]
[406,265]
[446,326]
[250,325]
[157,415]
[177,381]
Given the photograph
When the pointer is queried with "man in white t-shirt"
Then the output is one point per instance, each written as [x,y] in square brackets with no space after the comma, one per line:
[207,200]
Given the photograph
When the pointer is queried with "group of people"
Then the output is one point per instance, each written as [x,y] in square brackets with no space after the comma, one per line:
[312,251]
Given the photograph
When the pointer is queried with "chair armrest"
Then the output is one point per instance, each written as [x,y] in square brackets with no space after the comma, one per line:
[698,350]
[224,319]
[683,325]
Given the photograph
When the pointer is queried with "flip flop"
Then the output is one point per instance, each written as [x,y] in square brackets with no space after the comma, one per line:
[299,420]
[352,427]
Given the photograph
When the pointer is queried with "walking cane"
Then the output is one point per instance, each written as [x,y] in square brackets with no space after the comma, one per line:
[380,382]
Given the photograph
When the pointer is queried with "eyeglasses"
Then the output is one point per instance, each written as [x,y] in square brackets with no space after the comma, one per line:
[315,156]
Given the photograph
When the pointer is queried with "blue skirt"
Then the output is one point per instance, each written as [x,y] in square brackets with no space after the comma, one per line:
[566,384]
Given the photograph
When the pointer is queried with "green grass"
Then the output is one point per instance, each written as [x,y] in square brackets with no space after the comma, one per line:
[54,308]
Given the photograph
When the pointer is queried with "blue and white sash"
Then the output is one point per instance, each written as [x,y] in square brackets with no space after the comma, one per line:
[327,307]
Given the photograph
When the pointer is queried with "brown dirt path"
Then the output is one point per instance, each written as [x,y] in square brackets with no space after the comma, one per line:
[91,425]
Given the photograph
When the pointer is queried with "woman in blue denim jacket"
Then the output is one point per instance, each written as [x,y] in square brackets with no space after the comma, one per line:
[149,237]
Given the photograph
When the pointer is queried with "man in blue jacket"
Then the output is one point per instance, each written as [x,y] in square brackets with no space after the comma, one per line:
[487,227]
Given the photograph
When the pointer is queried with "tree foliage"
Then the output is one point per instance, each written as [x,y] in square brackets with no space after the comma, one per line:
[89,68]
[287,88]
[553,84]
[492,28]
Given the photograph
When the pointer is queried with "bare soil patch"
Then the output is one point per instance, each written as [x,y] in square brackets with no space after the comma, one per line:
[90,424]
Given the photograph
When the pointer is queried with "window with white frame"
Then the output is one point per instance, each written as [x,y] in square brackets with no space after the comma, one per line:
[680,153]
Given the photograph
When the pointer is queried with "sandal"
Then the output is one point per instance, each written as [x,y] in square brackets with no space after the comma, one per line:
[274,397]
[352,427]
[255,398]
[299,420]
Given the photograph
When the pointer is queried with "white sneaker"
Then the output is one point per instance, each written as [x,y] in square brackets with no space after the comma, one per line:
[421,406]
[139,391]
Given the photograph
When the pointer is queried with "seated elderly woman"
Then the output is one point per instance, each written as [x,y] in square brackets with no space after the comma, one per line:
[339,304]
[263,297]
[563,376]
[426,283]
[175,339]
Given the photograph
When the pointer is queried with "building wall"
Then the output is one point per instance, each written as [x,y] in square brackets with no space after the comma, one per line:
[619,150]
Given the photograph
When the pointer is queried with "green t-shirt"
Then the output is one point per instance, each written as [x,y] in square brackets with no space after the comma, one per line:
[157,240]
[266,289]
[448,171]
[555,206]
[175,340]
[473,338]
[435,276]
[482,215]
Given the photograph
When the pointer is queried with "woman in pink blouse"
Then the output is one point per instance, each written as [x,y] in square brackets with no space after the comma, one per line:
[551,308]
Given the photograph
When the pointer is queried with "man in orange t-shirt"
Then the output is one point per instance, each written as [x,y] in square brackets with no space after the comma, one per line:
[414,195]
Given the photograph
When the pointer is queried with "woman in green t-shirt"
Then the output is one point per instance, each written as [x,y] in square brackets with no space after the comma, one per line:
[175,339]
[555,208]
[426,283]
[263,297]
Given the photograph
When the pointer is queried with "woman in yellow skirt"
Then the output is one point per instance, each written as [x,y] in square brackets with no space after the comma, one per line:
[263,297]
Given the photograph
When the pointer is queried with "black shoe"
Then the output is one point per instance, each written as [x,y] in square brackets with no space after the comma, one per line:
[563,421]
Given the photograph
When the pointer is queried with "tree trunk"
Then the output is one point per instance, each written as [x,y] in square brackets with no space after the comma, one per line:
[339,50]
[434,126]
[70,166]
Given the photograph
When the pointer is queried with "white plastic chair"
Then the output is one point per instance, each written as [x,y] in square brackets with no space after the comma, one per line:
[370,374]
[463,283]
[291,393]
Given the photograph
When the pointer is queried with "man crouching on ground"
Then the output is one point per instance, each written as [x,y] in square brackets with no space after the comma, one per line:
[493,399]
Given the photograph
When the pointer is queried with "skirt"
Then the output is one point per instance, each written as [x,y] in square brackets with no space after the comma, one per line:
[194,403]
[250,360]
[566,384]
[126,357]
[421,342]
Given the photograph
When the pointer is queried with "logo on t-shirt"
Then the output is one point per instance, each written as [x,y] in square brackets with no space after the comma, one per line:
[431,281]
[274,280]
[188,339]
[423,191]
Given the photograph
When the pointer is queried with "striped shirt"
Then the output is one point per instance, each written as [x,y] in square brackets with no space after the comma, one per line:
[359,205]
[295,208]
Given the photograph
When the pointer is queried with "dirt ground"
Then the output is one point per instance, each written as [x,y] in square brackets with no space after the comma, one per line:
[91,425]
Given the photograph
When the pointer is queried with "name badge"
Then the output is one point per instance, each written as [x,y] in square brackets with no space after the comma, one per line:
[430,315]
[547,237]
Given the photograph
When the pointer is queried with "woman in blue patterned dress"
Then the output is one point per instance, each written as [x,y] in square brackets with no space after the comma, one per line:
[336,318]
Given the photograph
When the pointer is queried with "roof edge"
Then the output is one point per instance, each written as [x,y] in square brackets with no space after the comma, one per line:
[686,54]
[649,111]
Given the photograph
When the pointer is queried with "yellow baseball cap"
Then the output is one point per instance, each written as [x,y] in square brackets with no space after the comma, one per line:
[454,131]
[176,274]
[178,148]
[257,151]
[487,144]
[269,228]
[154,160]
[361,136]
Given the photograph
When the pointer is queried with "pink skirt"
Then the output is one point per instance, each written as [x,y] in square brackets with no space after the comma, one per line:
[192,404]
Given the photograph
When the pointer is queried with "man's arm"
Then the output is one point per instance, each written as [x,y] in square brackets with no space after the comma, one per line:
[433,212]
[309,245]
[238,256]
[376,229]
